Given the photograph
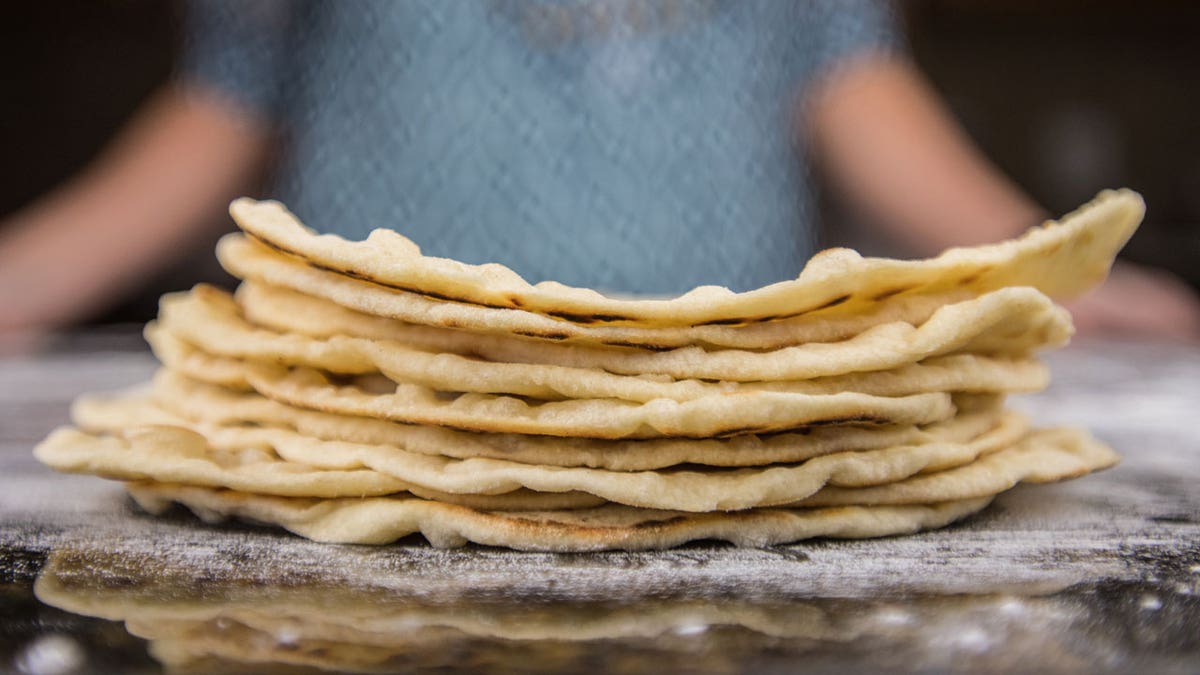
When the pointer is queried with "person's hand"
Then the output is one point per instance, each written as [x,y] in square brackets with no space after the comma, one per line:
[1139,301]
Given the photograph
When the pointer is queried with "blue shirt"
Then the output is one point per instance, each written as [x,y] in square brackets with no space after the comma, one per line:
[626,145]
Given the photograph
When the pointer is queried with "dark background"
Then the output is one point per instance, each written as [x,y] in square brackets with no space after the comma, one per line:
[1066,97]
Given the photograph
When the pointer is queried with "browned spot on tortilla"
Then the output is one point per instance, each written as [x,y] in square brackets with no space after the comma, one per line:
[735,432]
[649,524]
[884,295]
[777,317]
[516,301]
[437,296]
[741,321]
[722,322]
[974,276]
[587,318]
[350,272]
[793,315]
[1053,248]
[543,336]
[833,303]
[272,245]
[636,345]
[340,379]
[593,530]
[741,431]
[857,419]
[808,428]
[574,318]
[460,427]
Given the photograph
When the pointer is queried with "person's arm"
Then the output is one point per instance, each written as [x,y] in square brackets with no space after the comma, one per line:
[890,145]
[882,134]
[176,165]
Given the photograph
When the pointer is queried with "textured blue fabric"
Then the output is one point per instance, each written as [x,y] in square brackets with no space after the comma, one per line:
[624,145]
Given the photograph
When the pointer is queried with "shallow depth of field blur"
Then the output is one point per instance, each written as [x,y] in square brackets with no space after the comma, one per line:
[1067,97]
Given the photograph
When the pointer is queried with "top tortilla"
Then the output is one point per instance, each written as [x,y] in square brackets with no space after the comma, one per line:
[1062,259]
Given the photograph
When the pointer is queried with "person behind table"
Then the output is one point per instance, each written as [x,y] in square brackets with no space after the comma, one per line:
[627,145]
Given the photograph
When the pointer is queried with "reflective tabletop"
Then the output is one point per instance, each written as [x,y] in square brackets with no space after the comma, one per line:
[1100,574]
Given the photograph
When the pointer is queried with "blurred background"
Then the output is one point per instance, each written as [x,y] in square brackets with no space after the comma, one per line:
[1066,96]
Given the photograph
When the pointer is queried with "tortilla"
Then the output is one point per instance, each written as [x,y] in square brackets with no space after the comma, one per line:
[1044,456]
[208,318]
[176,400]
[383,520]
[251,261]
[1061,258]
[169,453]
[729,415]
[284,463]
[286,311]
[723,415]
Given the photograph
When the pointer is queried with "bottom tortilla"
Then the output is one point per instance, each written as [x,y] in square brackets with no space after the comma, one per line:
[382,520]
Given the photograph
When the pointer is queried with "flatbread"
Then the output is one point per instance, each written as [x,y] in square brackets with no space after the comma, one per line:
[176,400]
[209,319]
[184,358]
[283,463]
[361,392]
[728,414]
[247,259]
[1044,456]
[175,454]
[959,327]
[383,520]
[1061,258]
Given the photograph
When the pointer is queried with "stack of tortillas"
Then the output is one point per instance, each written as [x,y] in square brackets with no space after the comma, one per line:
[361,392]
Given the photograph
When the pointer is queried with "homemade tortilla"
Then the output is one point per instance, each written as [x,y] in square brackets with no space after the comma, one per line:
[1062,258]
[383,520]
[1006,324]
[177,400]
[278,462]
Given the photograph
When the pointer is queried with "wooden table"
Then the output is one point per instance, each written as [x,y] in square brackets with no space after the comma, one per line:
[1099,574]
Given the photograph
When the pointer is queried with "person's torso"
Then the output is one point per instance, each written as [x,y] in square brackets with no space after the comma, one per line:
[624,145]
